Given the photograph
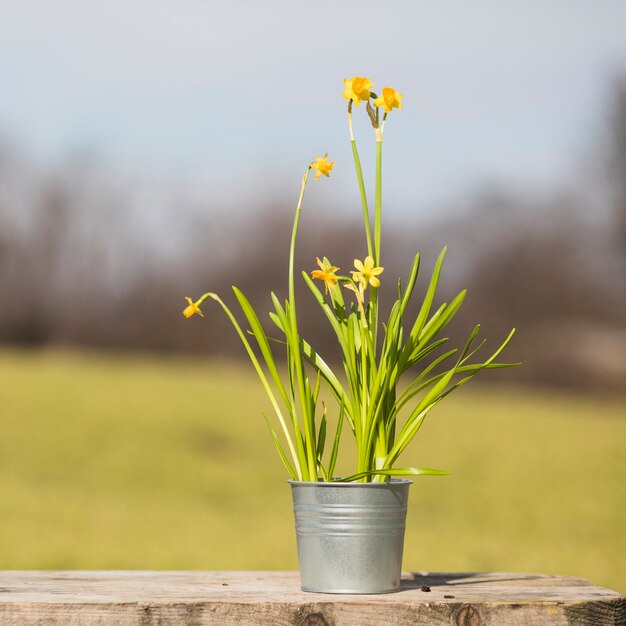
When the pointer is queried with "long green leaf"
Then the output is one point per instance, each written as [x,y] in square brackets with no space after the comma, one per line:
[443,320]
[414,389]
[328,311]
[422,353]
[262,341]
[429,297]
[335,449]
[410,284]
[405,471]
[264,382]
[280,450]
[321,437]
[411,427]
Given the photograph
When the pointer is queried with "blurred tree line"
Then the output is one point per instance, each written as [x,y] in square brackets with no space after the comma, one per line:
[79,265]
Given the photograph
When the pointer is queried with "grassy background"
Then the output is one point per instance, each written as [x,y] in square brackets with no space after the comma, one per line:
[131,462]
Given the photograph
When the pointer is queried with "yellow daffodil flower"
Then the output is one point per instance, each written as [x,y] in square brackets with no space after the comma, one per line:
[390,99]
[322,165]
[326,272]
[357,88]
[366,273]
[192,308]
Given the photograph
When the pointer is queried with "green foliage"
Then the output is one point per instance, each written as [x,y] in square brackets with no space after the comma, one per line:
[370,395]
[382,422]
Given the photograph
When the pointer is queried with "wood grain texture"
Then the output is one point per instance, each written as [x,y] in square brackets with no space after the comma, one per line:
[223,598]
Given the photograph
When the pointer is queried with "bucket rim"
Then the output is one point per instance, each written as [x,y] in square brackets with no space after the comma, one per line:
[327,484]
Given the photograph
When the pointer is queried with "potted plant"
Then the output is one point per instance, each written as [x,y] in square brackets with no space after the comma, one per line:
[350,530]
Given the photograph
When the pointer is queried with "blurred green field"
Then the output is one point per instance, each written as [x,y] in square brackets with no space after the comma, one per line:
[132,462]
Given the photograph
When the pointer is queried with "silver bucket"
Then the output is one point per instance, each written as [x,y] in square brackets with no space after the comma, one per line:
[350,535]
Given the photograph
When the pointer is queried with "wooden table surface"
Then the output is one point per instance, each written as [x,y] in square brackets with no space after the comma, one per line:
[137,598]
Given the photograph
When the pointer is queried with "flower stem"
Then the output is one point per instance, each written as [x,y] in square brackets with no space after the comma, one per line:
[292,247]
[378,207]
[293,342]
[366,215]
[380,445]
[377,231]
[359,176]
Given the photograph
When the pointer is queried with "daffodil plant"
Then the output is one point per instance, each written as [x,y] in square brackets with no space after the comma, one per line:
[393,374]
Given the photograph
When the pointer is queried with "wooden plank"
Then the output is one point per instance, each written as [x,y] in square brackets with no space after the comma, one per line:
[137,598]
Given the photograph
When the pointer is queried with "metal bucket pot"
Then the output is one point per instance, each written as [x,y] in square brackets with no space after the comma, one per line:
[350,535]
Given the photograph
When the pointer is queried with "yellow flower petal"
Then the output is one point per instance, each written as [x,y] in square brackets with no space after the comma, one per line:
[326,273]
[367,273]
[322,165]
[389,99]
[192,308]
[357,88]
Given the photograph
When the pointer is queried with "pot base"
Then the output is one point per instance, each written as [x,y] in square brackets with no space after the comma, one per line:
[354,592]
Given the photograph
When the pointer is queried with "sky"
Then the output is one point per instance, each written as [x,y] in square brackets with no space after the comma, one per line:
[237,97]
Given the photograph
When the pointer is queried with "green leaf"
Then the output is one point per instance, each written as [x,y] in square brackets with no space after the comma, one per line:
[410,284]
[326,371]
[408,432]
[335,450]
[443,319]
[328,311]
[430,295]
[262,342]
[422,353]
[321,437]
[268,390]
[469,342]
[280,450]
[413,389]
[405,471]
